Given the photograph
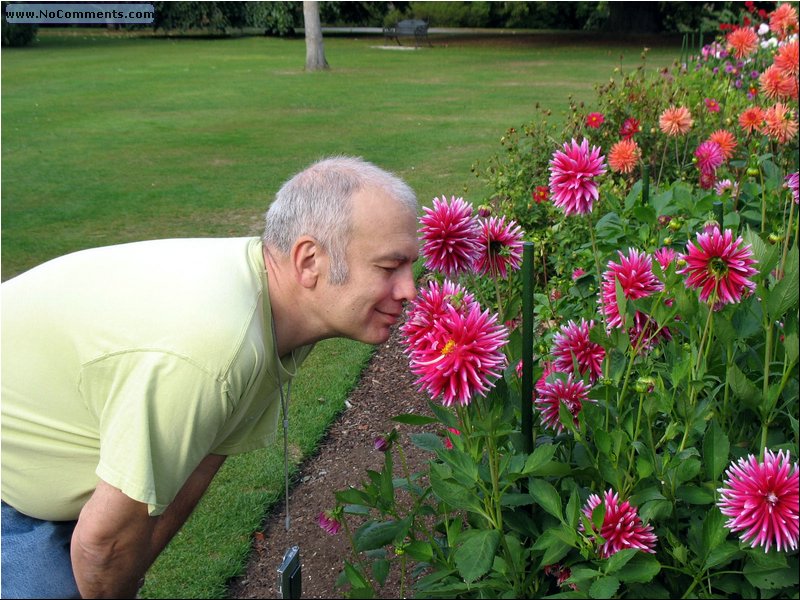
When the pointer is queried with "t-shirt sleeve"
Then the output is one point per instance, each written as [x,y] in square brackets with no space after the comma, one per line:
[158,416]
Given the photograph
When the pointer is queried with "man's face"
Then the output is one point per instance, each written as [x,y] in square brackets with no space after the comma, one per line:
[382,249]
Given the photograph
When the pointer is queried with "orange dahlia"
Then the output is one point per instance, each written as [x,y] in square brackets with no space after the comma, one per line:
[780,123]
[624,156]
[751,119]
[788,58]
[725,140]
[742,41]
[676,121]
[777,85]
[783,20]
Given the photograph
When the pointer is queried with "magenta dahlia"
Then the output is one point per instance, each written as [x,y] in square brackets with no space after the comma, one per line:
[329,523]
[429,306]
[720,266]
[550,395]
[761,499]
[460,356]
[450,236]
[665,256]
[572,174]
[793,184]
[500,247]
[571,345]
[622,528]
[709,157]
[645,333]
[635,274]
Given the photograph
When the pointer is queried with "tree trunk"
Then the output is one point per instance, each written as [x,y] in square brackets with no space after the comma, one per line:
[315,50]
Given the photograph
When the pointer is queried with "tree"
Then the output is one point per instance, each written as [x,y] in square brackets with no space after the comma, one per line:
[315,49]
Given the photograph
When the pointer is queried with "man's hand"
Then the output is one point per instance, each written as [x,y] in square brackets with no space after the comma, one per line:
[116,541]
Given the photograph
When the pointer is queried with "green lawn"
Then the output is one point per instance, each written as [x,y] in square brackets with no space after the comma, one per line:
[108,139]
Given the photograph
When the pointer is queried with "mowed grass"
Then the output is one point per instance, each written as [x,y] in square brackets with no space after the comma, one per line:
[109,138]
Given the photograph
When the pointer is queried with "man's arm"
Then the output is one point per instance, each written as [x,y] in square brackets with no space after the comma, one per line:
[116,541]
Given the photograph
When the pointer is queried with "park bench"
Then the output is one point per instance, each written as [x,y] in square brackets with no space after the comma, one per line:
[408,28]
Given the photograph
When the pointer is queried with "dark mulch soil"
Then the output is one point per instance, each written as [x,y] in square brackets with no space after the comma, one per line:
[386,389]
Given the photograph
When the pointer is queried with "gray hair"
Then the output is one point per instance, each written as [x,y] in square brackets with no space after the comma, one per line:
[317,202]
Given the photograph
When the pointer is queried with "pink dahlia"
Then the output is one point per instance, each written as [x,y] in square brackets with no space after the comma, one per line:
[571,345]
[780,123]
[622,528]
[635,275]
[500,247]
[711,105]
[550,395]
[709,157]
[450,236]
[665,256]
[783,20]
[430,305]
[720,266]
[761,499]
[572,173]
[329,523]
[460,356]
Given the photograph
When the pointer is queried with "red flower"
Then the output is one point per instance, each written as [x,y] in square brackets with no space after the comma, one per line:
[595,120]
[751,119]
[725,140]
[622,528]
[761,499]
[629,128]
[541,194]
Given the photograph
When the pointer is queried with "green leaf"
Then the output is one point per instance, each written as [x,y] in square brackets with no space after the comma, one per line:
[412,419]
[475,556]
[604,587]
[786,293]
[620,559]
[546,496]
[714,532]
[426,441]
[450,491]
[421,551]
[355,578]
[694,495]
[771,578]
[539,458]
[353,496]
[721,555]
[687,469]
[380,570]
[377,534]
[743,388]
[641,569]
[715,451]
[765,255]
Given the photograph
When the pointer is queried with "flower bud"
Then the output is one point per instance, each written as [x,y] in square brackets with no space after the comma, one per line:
[484,210]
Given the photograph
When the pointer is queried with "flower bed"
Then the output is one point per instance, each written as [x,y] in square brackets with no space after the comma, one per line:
[663,249]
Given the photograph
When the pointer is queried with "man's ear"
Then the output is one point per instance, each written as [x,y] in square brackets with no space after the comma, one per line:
[307,261]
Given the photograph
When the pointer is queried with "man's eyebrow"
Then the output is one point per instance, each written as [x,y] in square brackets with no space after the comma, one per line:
[397,257]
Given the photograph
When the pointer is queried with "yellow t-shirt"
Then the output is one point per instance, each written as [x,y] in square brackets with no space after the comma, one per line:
[132,363]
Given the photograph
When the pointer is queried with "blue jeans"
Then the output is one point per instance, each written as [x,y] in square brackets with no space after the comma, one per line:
[35,557]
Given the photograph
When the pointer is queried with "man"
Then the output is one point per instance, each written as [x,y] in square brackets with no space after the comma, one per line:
[130,372]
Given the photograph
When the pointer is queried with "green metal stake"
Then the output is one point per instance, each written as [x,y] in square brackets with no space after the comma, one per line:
[645,184]
[526,402]
[719,214]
